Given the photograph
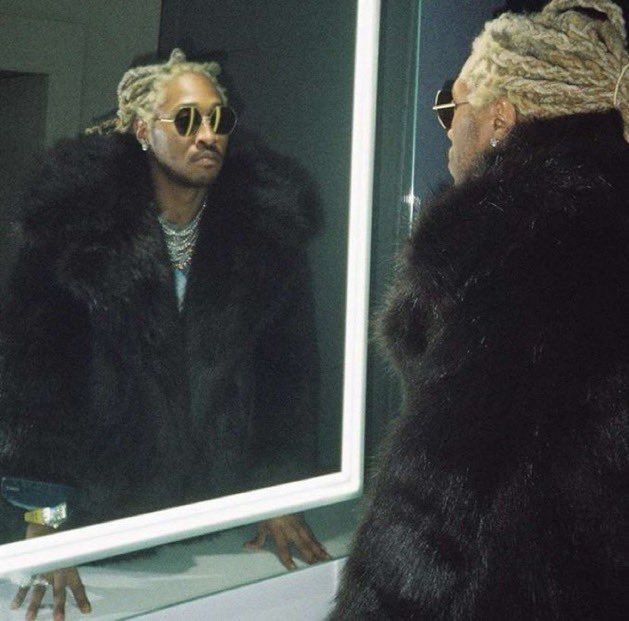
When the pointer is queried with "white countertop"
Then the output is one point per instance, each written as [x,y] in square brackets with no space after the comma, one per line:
[183,571]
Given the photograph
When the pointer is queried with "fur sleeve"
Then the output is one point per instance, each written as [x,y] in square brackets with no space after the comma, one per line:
[499,492]
[498,496]
[45,338]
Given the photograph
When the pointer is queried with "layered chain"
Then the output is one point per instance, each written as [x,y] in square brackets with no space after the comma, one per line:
[181,240]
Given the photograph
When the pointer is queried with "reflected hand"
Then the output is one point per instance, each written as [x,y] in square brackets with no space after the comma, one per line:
[59,579]
[287,530]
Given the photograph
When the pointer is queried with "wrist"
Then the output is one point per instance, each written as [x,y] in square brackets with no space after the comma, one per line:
[50,517]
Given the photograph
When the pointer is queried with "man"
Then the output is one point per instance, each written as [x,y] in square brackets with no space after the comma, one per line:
[158,337]
[502,494]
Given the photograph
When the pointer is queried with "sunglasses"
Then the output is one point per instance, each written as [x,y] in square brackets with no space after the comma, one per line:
[188,119]
[445,107]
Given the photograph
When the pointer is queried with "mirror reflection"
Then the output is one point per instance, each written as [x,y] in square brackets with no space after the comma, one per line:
[173,279]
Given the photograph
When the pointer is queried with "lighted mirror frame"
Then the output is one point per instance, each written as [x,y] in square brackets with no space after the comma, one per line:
[81,545]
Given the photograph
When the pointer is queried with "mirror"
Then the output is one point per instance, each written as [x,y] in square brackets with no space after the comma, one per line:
[304,78]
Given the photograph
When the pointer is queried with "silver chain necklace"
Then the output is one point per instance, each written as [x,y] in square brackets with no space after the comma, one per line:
[181,241]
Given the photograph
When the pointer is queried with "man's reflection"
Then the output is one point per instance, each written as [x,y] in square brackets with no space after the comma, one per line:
[158,338]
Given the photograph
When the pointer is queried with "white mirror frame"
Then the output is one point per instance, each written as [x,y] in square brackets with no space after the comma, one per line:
[81,545]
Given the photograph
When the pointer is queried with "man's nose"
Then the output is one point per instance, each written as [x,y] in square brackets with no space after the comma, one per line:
[205,134]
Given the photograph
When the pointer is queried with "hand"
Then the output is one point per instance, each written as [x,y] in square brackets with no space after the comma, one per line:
[287,530]
[59,579]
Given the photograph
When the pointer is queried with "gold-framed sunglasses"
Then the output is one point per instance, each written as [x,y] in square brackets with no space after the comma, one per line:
[445,107]
[187,120]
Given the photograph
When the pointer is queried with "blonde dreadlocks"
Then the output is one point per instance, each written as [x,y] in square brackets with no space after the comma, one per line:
[570,58]
[140,92]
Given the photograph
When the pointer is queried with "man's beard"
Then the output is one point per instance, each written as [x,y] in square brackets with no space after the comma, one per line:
[181,179]
[479,166]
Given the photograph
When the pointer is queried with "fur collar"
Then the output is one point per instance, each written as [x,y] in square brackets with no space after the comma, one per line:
[546,226]
[82,181]
[91,213]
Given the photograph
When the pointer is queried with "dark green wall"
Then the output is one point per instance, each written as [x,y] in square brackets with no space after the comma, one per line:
[392,177]
[297,57]
[23,106]
[446,35]
[290,65]
[421,44]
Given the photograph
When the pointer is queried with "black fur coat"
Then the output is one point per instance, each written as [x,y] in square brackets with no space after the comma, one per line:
[107,387]
[503,490]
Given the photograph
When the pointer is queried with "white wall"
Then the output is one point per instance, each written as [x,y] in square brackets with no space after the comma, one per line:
[80,49]
[115,31]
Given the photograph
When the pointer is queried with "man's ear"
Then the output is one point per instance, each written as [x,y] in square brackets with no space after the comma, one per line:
[505,117]
[141,130]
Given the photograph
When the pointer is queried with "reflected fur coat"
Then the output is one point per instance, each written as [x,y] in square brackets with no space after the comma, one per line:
[106,386]
[502,493]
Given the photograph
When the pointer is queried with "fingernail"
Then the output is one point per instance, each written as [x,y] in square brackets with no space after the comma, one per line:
[86,608]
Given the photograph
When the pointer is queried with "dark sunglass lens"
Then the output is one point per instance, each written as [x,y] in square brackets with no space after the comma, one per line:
[443,97]
[187,121]
[223,120]
[446,115]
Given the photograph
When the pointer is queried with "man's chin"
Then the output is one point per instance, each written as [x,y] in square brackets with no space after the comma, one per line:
[453,174]
[201,181]
[204,176]
[195,178]
[451,167]
[461,174]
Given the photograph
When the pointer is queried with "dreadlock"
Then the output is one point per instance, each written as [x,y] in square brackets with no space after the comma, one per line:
[140,90]
[570,58]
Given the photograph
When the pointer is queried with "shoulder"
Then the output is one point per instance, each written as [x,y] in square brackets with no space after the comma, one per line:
[83,161]
[272,191]
[556,186]
[77,180]
[538,240]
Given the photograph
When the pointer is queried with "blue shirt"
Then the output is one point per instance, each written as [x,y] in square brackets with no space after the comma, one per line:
[181,280]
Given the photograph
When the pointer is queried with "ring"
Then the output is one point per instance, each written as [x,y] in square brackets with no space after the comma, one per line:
[25,585]
[39,581]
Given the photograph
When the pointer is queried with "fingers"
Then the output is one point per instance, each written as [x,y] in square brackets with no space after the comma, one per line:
[60,579]
[59,596]
[287,530]
[39,590]
[19,598]
[78,591]
[311,550]
[281,543]
[320,551]
[304,544]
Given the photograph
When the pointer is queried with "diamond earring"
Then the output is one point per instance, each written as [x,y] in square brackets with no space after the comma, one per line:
[494,142]
[145,145]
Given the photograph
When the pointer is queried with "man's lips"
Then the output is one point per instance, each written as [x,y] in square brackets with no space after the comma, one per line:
[208,156]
